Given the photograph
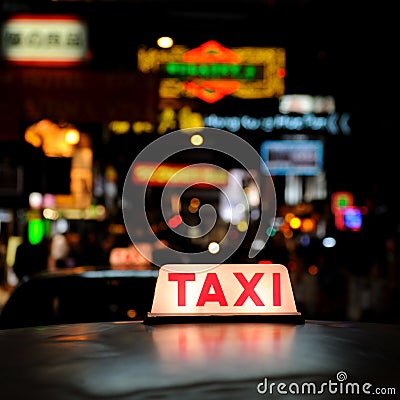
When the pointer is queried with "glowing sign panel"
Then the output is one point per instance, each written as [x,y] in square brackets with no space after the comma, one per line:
[212,71]
[54,40]
[178,175]
[352,218]
[126,257]
[293,157]
[225,289]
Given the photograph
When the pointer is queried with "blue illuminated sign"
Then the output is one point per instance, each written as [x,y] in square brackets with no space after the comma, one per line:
[333,123]
[352,218]
[293,157]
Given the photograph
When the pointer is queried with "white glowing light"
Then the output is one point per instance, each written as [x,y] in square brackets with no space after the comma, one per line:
[49,213]
[165,42]
[62,225]
[196,140]
[258,244]
[35,200]
[213,248]
[329,242]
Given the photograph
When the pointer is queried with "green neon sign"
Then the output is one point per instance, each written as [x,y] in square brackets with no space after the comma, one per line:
[36,231]
[211,71]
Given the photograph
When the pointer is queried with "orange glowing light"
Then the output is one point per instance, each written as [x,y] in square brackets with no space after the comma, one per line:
[308,225]
[313,270]
[55,140]
[72,136]
[131,313]
[288,234]
[289,216]
[178,175]
[195,202]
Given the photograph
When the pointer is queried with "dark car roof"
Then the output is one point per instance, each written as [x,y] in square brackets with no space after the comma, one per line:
[130,360]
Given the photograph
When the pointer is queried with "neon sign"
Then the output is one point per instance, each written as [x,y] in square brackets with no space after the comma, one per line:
[170,119]
[211,71]
[293,157]
[333,123]
[45,40]
[352,218]
[178,175]
[341,200]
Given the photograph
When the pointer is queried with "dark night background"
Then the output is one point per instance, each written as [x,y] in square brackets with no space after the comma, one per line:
[344,49]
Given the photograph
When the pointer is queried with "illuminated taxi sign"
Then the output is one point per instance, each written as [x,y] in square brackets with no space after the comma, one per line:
[212,71]
[225,291]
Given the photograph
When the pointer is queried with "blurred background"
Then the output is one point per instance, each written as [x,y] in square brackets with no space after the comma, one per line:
[86,85]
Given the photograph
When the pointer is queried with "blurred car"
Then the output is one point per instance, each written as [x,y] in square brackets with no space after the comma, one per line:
[81,294]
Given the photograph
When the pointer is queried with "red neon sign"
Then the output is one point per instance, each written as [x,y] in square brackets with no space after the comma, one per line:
[208,53]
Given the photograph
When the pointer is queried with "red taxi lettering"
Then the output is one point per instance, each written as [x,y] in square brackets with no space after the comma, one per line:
[218,295]
[248,287]
[205,295]
[181,278]
[276,288]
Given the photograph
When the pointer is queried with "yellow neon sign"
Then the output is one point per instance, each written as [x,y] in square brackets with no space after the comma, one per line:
[177,175]
[211,71]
